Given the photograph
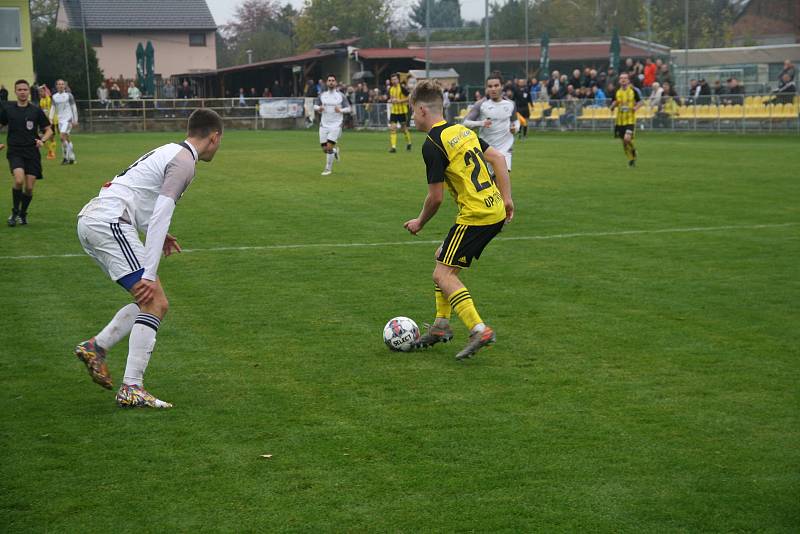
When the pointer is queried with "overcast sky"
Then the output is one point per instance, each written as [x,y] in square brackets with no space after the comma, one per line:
[223,10]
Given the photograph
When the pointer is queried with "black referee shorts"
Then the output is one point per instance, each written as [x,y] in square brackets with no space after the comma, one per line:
[465,243]
[27,158]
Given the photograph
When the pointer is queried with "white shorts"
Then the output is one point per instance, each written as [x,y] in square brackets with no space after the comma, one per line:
[65,127]
[506,155]
[115,247]
[329,134]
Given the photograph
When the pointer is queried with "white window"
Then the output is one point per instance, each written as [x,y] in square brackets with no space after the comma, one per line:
[10,29]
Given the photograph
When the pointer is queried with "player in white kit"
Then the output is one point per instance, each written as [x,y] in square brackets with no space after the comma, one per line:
[496,117]
[67,112]
[332,105]
[140,200]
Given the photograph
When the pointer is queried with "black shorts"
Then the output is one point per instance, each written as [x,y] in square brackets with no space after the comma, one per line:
[27,158]
[525,112]
[402,118]
[465,242]
[620,129]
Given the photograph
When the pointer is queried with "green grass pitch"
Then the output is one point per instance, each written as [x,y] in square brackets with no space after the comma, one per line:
[645,377]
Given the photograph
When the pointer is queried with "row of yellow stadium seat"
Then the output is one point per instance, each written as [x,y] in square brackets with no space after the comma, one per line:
[739,111]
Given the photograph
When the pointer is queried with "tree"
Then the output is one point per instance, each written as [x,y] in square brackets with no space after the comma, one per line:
[367,19]
[43,15]
[444,14]
[59,54]
[710,23]
[262,26]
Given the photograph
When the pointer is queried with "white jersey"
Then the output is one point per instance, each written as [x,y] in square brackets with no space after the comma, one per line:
[502,114]
[327,103]
[64,106]
[144,196]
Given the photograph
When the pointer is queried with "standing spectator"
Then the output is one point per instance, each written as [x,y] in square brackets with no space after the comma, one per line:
[24,123]
[242,100]
[3,93]
[575,80]
[266,93]
[114,95]
[185,91]
[361,100]
[102,95]
[277,90]
[789,69]
[133,92]
[169,93]
[650,71]
[612,78]
[718,92]
[664,75]
[310,90]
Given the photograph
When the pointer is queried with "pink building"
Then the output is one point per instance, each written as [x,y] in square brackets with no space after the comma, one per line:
[182,32]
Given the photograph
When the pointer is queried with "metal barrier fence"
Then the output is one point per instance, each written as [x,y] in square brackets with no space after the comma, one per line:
[755,113]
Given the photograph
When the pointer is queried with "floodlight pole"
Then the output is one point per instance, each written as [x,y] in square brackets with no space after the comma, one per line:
[526,41]
[427,39]
[649,28]
[686,52]
[86,61]
[486,58]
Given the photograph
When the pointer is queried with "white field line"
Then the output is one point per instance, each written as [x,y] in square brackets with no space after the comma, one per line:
[428,242]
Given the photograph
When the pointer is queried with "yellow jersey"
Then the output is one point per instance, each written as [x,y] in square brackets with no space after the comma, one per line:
[398,92]
[626,100]
[454,154]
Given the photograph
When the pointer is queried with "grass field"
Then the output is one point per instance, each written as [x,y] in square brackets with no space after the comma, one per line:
[645,377]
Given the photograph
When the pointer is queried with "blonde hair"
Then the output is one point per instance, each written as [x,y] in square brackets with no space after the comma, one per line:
[429,94]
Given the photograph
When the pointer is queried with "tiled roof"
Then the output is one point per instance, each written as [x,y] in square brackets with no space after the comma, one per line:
[139,14]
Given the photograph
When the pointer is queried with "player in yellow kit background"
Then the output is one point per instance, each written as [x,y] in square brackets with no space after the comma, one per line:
[398,112]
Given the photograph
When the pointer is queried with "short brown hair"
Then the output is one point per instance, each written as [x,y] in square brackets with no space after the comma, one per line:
[203,122]
[21,81]
[429,94]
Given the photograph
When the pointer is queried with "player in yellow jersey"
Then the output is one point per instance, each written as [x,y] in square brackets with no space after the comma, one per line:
[45,103]
[398,112]
[627,101]
[454,155]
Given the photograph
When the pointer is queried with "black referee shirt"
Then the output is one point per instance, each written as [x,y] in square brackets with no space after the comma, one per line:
[24,123]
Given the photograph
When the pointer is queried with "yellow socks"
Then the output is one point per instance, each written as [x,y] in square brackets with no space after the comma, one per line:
[461,302]
[408,137]
[393,138]
[443,308]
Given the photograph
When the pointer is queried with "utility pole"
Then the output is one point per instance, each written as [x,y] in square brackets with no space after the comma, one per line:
[86,62]
[486,58]
[427,39]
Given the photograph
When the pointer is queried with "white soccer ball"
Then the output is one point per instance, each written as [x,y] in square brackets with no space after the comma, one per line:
[400,334]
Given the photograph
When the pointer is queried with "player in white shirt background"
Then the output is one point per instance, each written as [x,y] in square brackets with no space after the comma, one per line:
[140,200]
[67,112]
[332,105]
[496,117]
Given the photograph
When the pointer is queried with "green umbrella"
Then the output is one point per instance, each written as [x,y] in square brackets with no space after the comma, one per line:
[149,69]
[614,51]
[544,57]
[140,66]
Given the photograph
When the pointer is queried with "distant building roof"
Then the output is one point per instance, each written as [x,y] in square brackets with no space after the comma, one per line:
[501,52]
[139,14]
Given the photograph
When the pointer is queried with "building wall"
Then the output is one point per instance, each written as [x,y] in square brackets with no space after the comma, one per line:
[173,55]
[17,64]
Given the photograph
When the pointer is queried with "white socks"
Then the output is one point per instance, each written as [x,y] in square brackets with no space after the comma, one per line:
[66,147]
[119,327]
[71,151]
[480,327]
[140,347]
[329,161]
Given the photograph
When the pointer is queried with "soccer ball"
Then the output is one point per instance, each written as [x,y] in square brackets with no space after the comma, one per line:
[400,333]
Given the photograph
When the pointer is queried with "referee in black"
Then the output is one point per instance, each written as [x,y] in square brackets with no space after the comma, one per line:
[24,121]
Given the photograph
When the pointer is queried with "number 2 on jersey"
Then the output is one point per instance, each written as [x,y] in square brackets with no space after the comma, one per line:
[475,157]
[135,163]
